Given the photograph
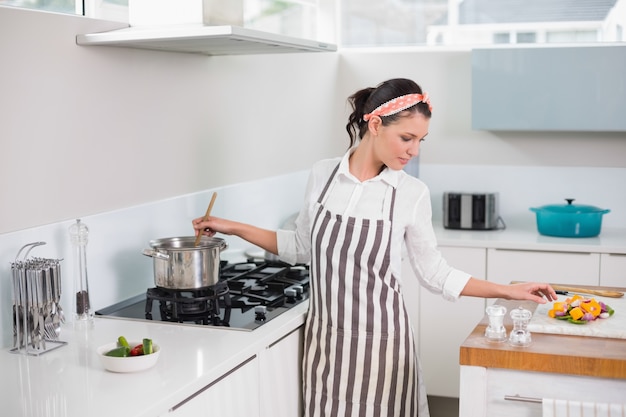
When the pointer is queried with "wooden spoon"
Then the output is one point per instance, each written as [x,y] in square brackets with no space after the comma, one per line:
[206,217]
[602,293]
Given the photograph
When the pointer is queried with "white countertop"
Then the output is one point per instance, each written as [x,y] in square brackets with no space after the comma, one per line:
[526,237]
[70,381]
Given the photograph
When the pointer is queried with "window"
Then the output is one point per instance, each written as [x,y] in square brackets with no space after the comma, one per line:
[58,6]
[572,36]
[116,10]
[502,37]
[479,22]
[297,18]
[372,23]
[526,37]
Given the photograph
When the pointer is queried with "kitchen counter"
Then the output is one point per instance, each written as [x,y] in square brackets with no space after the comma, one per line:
[498,379]
[70,381]
[526,237]
[551,353]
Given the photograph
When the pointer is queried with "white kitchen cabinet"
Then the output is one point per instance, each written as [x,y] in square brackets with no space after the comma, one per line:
[613,270]
[268,384]
[484,391]
[444,325]
[234,394]
[577,268]
[281,376]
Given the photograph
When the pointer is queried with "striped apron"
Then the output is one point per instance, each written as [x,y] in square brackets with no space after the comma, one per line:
[359,355]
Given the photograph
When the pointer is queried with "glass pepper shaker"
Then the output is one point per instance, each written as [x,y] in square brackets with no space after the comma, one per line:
[83,314]
[520,336]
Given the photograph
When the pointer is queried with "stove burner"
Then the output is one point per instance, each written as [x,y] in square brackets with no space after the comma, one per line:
[247,295]
[200,306]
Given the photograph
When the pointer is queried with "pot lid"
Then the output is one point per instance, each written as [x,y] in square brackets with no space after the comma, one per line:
[570,208]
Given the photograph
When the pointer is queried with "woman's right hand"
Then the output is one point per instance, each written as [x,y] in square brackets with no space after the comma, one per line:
[263,238]
[212,225]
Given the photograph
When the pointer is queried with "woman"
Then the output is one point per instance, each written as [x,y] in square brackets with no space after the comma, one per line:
[359,212]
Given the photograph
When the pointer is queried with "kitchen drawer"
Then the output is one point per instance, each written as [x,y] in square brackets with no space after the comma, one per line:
[234,394]
[580,268]
[444,325]
[483,391]
[613,270]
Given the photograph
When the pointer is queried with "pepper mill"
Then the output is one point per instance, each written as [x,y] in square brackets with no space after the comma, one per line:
[520,336]
[495,331]
[83,314]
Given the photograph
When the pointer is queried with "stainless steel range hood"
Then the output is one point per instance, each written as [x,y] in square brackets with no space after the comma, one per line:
[196,26]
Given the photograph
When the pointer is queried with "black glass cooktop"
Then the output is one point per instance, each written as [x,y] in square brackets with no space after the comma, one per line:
[248,295]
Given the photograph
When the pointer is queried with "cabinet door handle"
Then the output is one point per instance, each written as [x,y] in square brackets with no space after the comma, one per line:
[543,251]
[206,387]
[297,329]
[522,399]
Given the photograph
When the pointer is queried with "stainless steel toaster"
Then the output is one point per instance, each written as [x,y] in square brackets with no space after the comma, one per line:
[472,211]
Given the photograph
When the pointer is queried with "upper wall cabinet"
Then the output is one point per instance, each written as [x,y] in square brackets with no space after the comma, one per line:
[550,88]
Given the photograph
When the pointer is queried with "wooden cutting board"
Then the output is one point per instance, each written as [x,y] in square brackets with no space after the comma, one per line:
[613,327]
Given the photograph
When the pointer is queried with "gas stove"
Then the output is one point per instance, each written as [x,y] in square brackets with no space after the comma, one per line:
[247,295]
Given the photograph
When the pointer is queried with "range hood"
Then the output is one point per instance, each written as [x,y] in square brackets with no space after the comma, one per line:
[209,27]
[202,39]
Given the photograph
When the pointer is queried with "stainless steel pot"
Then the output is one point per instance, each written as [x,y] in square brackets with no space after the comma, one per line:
[179,264]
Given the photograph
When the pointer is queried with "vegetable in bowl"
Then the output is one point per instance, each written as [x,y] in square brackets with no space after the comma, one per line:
[124,349]
[124,356]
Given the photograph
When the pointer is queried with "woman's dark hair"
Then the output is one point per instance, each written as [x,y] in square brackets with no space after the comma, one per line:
[367,99]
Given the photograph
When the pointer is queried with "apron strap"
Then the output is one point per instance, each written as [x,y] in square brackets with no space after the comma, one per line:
[330,179]
[391,202]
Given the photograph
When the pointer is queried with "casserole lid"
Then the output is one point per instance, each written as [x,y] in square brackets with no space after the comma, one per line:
[570,208]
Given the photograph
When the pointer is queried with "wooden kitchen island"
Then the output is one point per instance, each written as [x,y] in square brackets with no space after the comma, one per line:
[498,379]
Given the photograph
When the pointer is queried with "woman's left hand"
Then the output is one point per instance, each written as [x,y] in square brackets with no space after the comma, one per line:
[533,291]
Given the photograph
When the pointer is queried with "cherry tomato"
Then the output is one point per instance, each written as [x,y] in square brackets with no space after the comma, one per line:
[137,350]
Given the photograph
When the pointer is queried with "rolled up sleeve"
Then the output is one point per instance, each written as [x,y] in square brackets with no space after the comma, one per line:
[289,250]
[427,262]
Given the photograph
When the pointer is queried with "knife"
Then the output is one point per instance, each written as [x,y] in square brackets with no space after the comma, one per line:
[565,290]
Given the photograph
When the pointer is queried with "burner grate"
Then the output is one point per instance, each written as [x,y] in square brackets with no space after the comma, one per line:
[200,306]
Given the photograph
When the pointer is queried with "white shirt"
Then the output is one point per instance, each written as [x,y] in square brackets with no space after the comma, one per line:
[412,221]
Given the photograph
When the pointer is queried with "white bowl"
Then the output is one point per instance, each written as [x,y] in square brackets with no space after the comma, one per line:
[130,363]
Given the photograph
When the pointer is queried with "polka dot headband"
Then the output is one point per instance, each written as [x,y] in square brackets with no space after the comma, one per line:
[398,104]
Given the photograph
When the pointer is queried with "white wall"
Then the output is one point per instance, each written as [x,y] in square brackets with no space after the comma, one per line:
[133,141]
[86,130]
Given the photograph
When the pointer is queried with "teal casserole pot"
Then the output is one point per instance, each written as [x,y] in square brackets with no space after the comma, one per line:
[569,220]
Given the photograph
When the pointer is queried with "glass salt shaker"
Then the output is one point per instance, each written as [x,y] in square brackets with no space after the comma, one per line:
[520,336]
[83,314]
[495,331]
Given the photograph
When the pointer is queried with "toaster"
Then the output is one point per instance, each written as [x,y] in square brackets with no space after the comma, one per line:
[471,211]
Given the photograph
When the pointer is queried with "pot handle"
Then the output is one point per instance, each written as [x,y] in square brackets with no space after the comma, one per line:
[156,254]
[223,245]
